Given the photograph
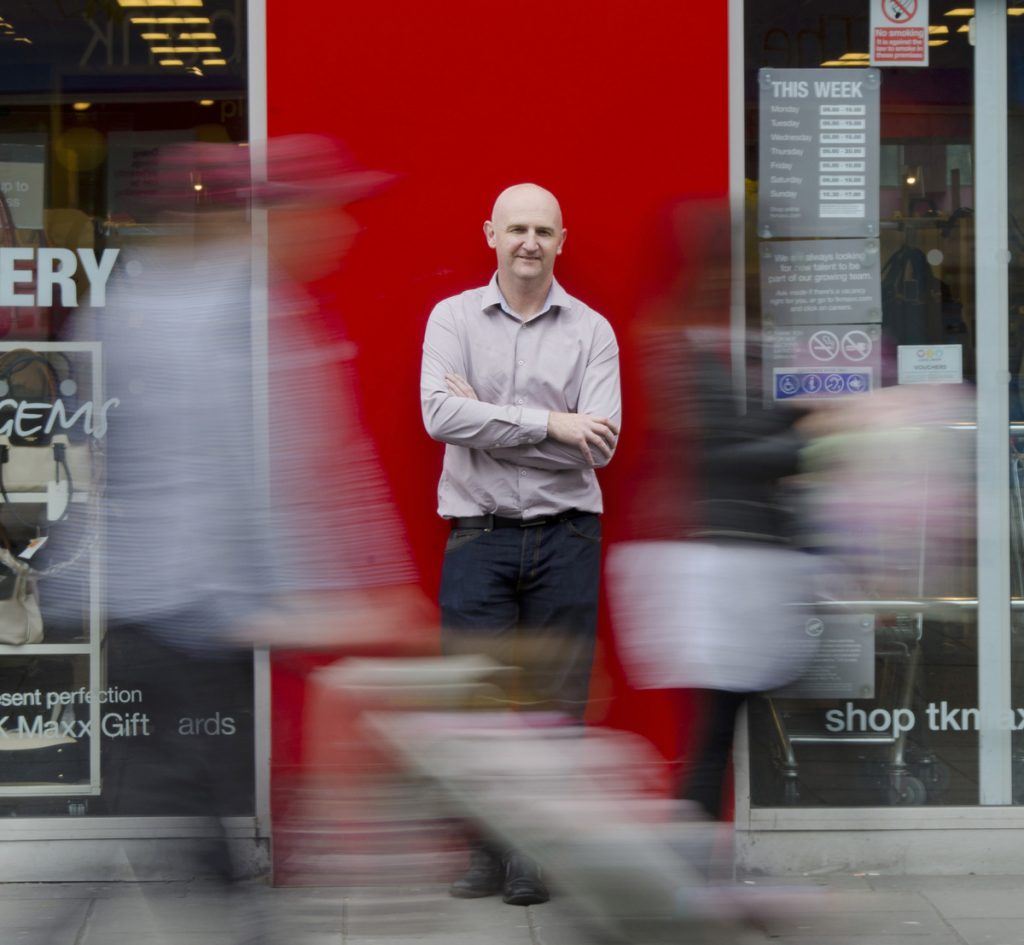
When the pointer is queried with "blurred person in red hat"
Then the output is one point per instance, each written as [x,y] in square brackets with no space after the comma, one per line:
[213,546]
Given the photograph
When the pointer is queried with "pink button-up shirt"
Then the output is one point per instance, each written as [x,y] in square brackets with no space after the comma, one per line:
[498,457]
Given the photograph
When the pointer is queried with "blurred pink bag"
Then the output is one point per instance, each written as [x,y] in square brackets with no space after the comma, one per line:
[888,492]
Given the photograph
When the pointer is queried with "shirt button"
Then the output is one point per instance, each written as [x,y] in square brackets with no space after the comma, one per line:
[522,472]
[519,400]
[521,363]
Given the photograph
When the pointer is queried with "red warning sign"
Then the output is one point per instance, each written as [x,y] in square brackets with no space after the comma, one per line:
[903,47]
[899,33]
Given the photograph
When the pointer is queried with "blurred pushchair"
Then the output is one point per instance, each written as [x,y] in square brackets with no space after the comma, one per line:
[425,744]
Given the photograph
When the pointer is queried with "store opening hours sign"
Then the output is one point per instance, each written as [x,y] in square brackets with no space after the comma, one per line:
[899,32]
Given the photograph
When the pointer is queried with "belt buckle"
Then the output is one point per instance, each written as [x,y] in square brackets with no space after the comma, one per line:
[531,522]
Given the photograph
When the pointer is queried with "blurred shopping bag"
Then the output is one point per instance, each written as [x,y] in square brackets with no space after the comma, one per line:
[887,491]
[699,614]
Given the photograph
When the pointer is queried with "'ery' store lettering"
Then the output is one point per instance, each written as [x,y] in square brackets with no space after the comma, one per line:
[46,269]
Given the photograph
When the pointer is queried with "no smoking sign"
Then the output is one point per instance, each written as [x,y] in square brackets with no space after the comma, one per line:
[899,11]
[825,345]
[899,33]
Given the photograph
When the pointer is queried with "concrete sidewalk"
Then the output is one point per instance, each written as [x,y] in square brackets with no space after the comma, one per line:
[858,909]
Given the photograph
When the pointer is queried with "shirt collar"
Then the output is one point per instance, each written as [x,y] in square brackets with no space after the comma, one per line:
[557,297]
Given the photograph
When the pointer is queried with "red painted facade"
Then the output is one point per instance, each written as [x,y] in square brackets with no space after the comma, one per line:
[620,110]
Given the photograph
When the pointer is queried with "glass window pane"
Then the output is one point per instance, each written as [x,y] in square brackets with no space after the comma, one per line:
[87,92]
[889,717]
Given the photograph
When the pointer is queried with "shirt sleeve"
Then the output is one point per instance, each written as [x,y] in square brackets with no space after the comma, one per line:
[460,420]
[600,396]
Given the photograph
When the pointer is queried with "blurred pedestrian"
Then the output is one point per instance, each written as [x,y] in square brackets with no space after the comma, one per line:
[747,450]
[521,382]
[701,596]
[208,548]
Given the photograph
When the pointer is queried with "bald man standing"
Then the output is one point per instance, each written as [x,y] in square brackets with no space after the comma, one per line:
[521,382]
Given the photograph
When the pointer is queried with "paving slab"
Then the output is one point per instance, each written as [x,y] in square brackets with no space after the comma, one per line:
[23,920]
[437,911]
[941,884]
[155,937]
[988,931]
[451,938]
[189,914]
[830,938]
[980,903]
[87,891]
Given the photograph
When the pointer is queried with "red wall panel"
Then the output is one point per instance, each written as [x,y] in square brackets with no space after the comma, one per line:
[620,109]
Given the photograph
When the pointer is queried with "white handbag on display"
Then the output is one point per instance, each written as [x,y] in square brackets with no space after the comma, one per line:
[20,619]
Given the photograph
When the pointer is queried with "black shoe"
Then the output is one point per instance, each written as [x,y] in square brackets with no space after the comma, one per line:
[523,885]
[483,878]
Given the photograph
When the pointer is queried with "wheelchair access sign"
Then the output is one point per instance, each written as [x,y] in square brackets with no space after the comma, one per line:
[821,361]
[820,383]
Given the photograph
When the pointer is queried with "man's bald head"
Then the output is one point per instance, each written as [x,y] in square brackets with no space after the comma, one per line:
[526,233]
[520,196]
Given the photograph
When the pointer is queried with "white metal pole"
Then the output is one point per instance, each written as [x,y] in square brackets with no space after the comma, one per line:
[993,454]
[257,111]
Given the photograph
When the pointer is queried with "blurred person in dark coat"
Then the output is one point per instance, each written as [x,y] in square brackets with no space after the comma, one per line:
[699,593]
[742,458]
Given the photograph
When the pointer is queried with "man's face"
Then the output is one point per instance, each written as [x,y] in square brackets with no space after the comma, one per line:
[526,234]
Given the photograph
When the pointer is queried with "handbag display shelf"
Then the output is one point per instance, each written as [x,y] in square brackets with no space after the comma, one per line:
[29,468]
[40,479]
[39,760]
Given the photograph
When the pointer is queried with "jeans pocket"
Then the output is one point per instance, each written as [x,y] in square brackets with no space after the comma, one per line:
[460,537]
[586,526]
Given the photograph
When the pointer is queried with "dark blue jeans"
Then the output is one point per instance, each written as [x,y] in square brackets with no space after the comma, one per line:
[528,598]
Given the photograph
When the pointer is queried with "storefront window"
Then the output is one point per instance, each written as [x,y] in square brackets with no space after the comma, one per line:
[88,89]
[862,178]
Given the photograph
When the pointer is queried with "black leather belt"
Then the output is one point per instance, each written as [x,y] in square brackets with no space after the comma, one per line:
[490,522]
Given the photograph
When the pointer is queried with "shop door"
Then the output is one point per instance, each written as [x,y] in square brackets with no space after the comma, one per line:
[884,184]
[88,93]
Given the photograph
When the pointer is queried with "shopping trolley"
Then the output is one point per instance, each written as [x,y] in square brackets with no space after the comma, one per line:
[910,775]
[899,574]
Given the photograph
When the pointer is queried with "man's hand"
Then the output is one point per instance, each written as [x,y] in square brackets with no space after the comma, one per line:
[584,431]
[459,386]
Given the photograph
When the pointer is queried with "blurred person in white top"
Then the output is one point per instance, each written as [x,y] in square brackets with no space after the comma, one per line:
[198,549]
[202,558]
